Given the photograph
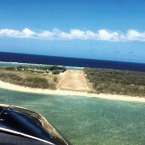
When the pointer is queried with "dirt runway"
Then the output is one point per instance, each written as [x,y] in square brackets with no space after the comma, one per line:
[73,80]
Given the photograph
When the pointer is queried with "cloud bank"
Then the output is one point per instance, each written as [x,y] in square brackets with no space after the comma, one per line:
[76,34]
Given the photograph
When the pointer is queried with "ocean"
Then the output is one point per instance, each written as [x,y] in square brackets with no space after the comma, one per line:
[81,120]
[66,61]
[86,121]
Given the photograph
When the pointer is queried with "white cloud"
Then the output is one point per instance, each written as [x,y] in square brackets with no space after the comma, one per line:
[64,36]
[28,33]
[46,35]
[77,34]
[73,34]
[108,35]
[9,33]
[91,35]
[134,35]
[25,33]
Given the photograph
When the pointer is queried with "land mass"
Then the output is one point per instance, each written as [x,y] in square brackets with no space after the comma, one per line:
[44,77]
[116,81]
[18,88]
[100,83]
[73,80]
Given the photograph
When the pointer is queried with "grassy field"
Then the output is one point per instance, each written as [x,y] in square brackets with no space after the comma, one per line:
[86,121]
[29,79]
[116,81]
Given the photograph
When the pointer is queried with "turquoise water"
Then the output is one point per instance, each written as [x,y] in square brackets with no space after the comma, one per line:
[15,64]
[86,121]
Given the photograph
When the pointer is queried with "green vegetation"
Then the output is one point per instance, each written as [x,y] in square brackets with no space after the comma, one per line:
[10,68]
[86,121]
[39,68]
[29,79]
[36,82]
[116,82]
[35,76]
[59,68]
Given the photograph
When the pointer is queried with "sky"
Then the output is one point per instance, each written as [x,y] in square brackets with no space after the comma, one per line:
[96,29]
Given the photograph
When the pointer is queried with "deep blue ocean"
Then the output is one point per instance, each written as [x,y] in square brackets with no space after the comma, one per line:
[76,62]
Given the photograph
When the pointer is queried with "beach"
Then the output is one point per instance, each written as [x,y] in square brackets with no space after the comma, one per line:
[13,87]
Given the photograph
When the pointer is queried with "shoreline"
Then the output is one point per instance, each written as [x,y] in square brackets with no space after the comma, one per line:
[8,86]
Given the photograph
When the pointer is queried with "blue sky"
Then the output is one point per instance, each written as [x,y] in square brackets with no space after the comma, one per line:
[98,29]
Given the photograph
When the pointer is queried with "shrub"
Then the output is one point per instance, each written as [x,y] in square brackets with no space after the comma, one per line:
[115,81]
[10,68]
[36,82]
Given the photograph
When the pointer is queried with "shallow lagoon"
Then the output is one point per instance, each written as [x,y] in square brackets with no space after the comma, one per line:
[86,121]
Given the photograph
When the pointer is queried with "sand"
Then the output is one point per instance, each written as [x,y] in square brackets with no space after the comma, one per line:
[13,87]
[73,80]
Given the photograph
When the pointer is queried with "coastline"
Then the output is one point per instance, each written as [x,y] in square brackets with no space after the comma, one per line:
[8,86]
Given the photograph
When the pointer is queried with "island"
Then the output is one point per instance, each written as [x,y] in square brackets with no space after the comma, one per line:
[88,82]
